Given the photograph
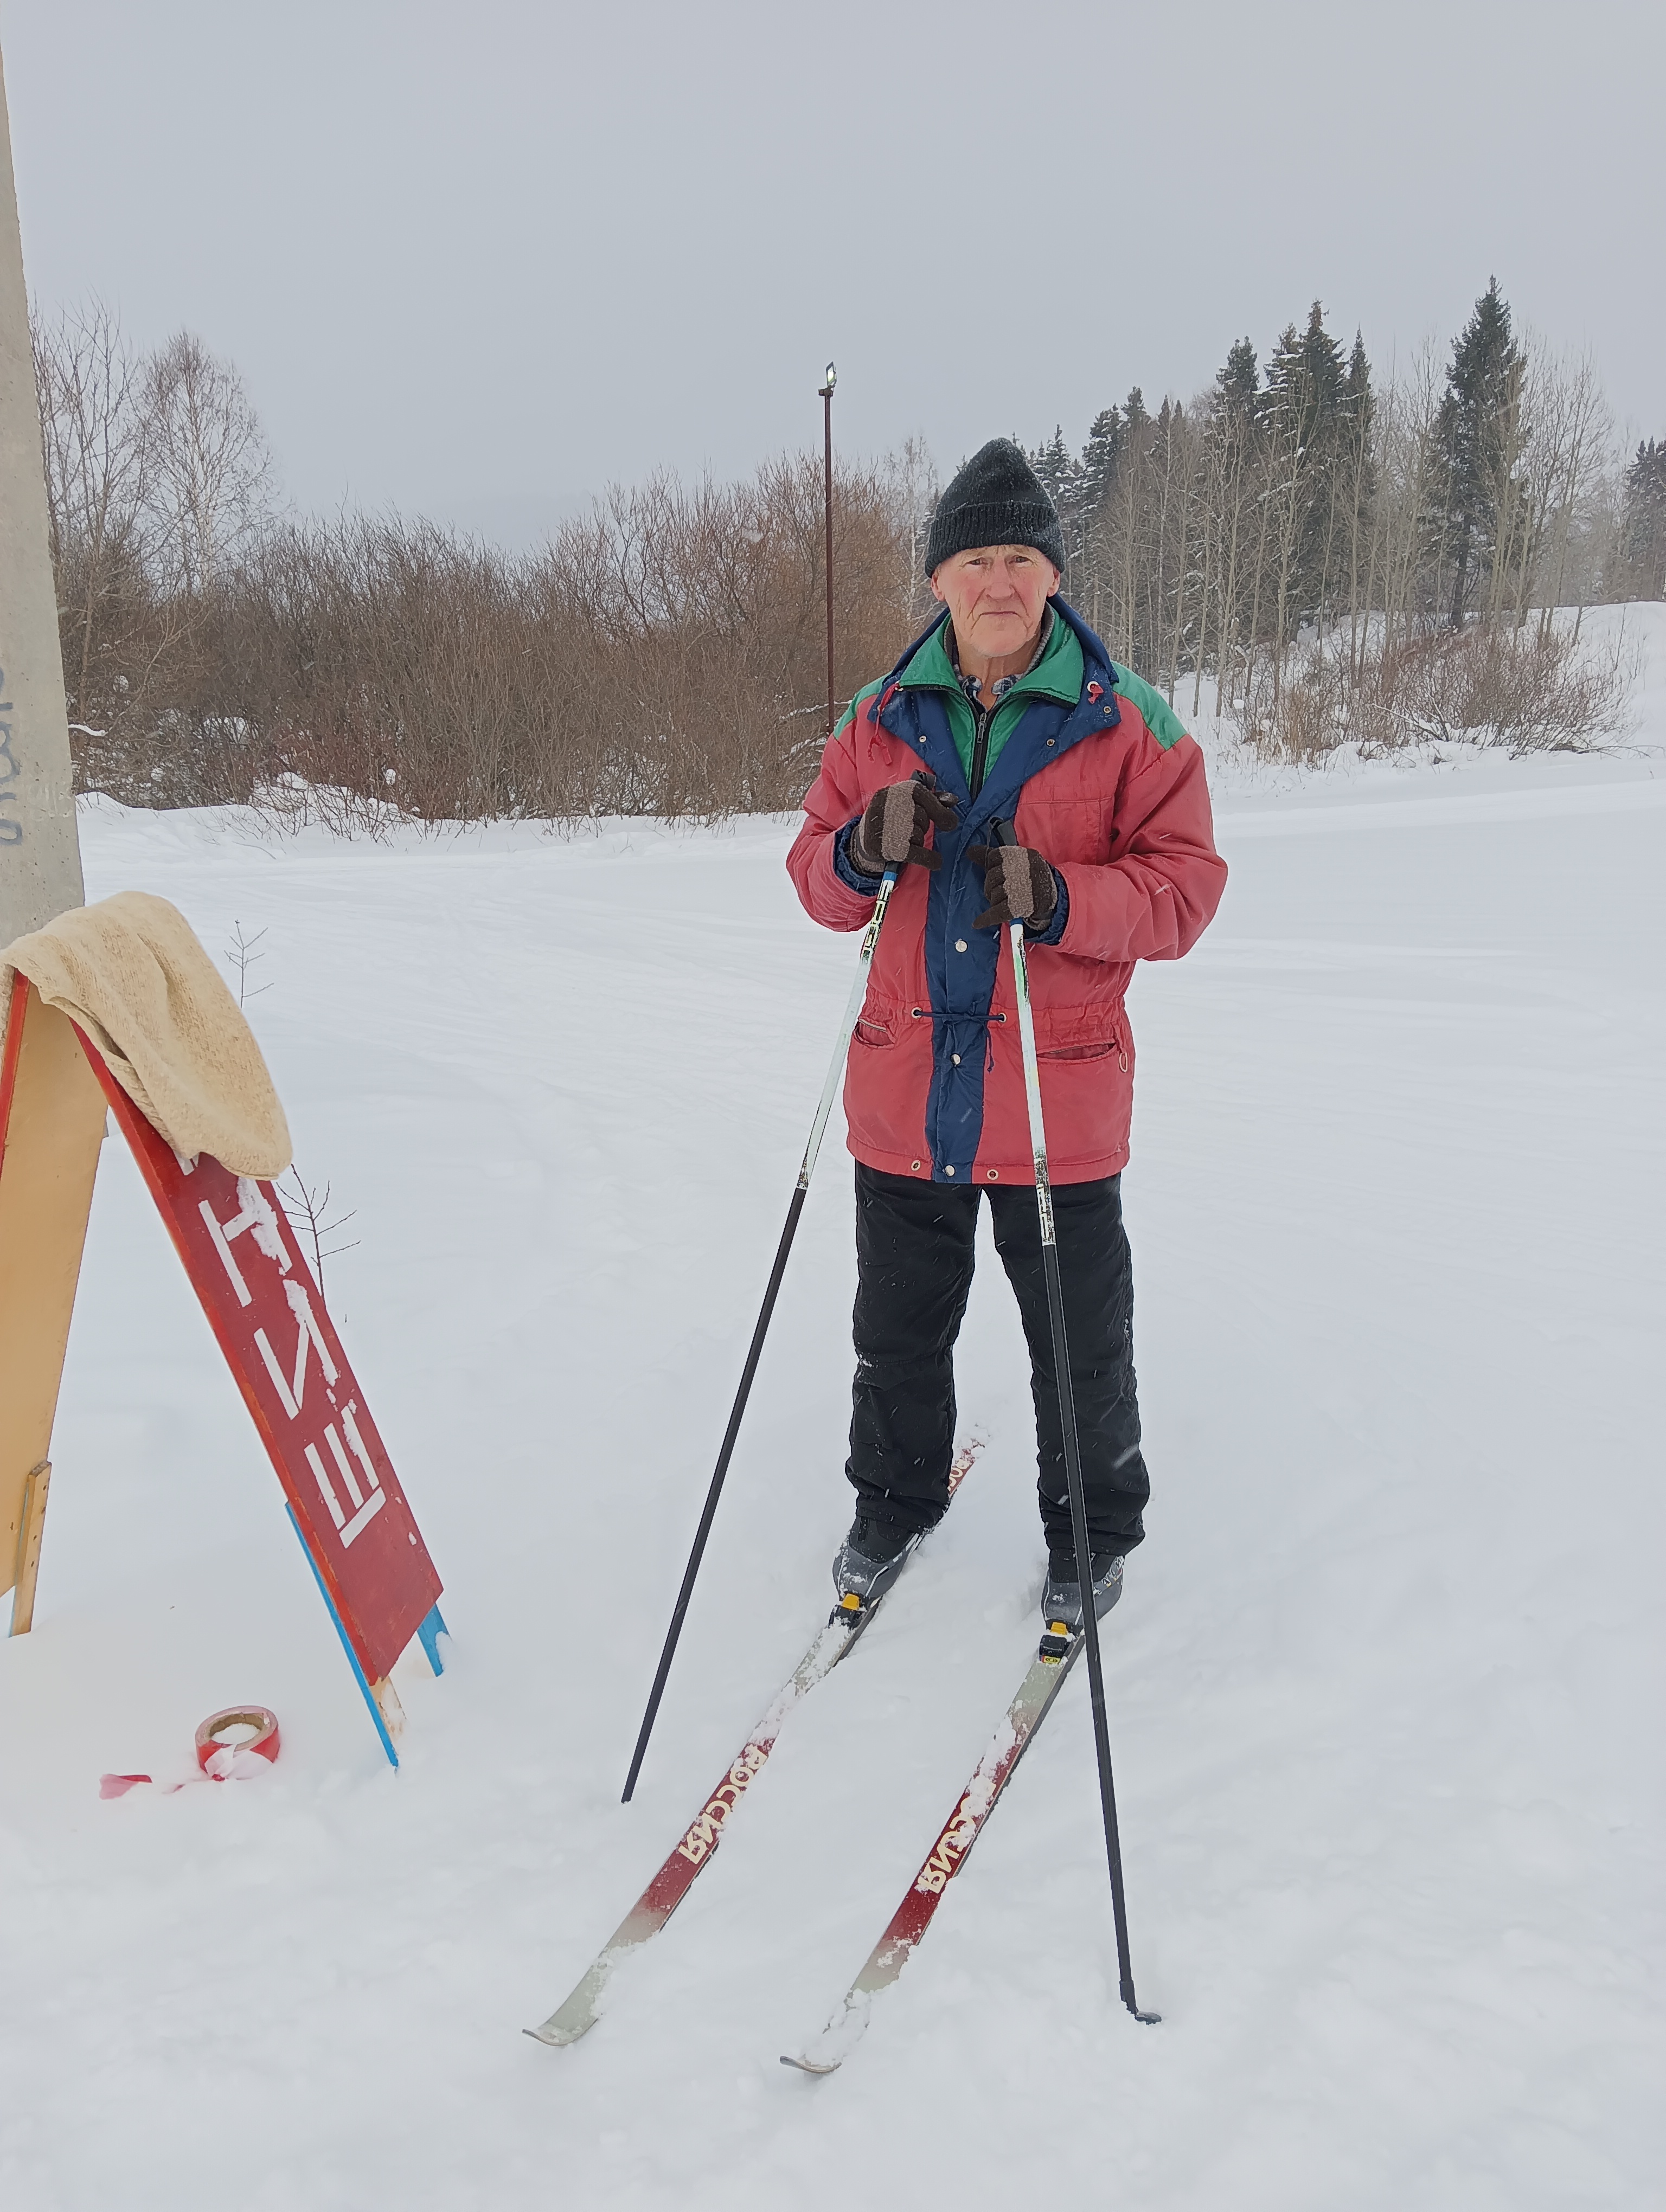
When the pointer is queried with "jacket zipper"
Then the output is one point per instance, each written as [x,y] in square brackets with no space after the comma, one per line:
[983,717]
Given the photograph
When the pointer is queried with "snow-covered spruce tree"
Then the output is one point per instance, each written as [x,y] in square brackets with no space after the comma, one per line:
[1056,466]
[1061,472]
[1124,546]
[1476,434]
[1643,526]
[1356,498]
[1305,408]
[1103,458]
[1229,455]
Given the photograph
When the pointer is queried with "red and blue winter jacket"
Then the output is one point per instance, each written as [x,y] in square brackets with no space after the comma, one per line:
[1096,774]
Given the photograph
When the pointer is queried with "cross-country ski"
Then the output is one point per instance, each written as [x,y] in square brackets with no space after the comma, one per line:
[848,1622]
[907,1927]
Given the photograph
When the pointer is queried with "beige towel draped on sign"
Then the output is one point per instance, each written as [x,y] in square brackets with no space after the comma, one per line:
[132,973]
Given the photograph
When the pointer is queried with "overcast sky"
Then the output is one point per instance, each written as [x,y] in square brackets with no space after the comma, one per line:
[475,260]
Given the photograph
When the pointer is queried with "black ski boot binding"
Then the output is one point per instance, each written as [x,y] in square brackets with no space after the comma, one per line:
[866,1564]
[1061,1600]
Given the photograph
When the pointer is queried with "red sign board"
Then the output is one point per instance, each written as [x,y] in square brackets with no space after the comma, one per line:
[245,1267]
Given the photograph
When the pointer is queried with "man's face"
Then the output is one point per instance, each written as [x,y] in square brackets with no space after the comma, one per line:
[996,594]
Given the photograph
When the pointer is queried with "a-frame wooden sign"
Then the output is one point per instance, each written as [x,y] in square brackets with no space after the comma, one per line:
[240,1251]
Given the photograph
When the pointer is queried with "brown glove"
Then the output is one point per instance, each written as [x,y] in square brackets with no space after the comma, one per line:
[1018,884]
[891,833]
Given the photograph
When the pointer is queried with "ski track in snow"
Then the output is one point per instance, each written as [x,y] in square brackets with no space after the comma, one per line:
[1386,1685]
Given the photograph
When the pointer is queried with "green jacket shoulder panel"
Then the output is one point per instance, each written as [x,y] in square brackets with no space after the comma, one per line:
[857,705]
[1160,718]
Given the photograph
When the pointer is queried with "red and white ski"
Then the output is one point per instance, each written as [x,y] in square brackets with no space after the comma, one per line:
[913,1916]
[693,1853]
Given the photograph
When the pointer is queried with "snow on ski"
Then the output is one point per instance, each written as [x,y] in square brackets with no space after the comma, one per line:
[828,2051]
[577,2013]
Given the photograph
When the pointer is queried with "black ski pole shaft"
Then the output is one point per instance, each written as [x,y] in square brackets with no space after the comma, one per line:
[853,1009]
[1073,1460]
[1095,1678]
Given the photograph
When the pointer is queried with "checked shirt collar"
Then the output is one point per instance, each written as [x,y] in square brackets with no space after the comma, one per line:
[1002,684]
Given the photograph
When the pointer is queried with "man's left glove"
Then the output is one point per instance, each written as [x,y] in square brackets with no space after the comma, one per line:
[1018,884]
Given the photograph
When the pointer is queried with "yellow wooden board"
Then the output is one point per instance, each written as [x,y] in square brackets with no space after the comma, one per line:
[51,1137]
[32,1522]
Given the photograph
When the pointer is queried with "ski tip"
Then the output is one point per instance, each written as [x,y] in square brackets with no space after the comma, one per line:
[828,2051]
[555,2038]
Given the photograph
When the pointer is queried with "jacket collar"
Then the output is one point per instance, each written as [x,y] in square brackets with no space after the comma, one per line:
[1056,672]
[1070,695]
[1073,663]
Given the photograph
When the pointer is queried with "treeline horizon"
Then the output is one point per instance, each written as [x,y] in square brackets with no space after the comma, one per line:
[1337,561]
[1350,563]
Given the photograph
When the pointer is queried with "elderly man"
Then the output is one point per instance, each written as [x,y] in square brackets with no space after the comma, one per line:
[1013,711]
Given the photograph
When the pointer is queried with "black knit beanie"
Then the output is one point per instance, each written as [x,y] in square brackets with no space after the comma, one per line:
[997,499]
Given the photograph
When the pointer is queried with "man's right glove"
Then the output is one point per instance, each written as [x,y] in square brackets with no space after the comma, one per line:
[891,833]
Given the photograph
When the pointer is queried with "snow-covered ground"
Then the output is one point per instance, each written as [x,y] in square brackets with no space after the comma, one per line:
[1387,1694]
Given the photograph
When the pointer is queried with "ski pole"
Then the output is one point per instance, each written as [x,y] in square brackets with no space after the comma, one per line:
[1001,833]
[853,1009]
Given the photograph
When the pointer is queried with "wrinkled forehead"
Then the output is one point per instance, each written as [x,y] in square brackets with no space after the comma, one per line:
[984,553]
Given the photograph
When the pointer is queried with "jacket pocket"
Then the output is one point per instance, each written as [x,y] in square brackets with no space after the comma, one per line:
[1085,1034]
[881,1025]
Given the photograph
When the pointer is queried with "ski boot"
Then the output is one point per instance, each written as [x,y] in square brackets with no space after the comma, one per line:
[866,1564]
[1061,1600]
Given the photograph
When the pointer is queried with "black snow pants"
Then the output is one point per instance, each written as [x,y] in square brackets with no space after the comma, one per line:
[913,1258]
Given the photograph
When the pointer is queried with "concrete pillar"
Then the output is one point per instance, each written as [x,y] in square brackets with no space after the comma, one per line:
[40,851]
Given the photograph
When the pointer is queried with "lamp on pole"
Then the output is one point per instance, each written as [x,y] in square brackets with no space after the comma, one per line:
[824,393]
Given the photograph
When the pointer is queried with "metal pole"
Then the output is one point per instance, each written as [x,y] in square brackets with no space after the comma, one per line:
[1073,1462]
[825,393]
[853,1008]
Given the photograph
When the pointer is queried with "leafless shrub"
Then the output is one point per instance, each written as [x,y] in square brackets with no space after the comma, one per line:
[663,656]
[307,1207]
[1537,687]
[241,954]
